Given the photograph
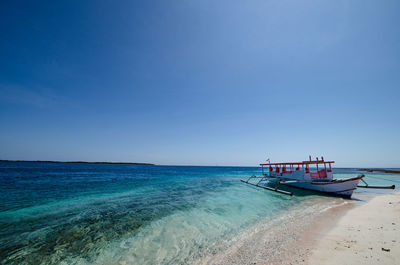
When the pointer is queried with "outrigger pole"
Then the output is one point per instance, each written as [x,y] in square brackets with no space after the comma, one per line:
[374,187]
[265,187]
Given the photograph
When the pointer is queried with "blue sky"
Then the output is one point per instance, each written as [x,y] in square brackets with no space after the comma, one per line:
[201,82]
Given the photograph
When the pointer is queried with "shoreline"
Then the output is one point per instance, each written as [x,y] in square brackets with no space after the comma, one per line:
[343,233]
[268,242]
[366,234]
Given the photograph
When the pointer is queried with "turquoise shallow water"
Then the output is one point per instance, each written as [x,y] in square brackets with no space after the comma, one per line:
[123,214]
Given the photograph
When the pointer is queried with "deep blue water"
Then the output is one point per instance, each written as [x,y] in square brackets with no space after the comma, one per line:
[109,214]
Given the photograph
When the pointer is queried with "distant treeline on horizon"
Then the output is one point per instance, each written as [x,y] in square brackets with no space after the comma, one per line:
[384,170]
[80,162]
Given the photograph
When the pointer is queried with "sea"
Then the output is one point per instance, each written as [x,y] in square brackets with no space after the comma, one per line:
[63,213]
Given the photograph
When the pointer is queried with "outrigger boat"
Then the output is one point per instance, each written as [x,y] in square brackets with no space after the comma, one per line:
[300,175]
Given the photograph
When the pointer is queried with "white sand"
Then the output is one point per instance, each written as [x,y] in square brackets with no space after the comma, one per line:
[367,234]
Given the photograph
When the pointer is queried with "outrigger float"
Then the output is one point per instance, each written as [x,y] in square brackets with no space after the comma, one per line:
[300,175]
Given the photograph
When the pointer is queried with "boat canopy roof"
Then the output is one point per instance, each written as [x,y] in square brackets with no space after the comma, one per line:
[309,162]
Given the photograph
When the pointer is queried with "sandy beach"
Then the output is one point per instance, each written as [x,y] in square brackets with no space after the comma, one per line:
[366,234]
[351,232]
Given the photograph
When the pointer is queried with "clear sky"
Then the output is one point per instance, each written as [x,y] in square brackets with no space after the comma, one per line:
[205,82]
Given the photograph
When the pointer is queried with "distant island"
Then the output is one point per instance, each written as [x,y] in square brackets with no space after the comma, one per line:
[381,170]
[81,162]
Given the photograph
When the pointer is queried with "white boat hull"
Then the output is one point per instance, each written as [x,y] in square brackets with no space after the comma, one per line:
[339,187]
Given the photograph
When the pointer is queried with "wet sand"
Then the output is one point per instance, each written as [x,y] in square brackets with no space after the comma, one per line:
[367,234]
[288,240]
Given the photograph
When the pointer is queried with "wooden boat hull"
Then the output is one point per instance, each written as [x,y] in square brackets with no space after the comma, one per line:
[343,188]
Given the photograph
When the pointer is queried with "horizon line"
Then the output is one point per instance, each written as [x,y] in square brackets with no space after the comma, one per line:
[151,164]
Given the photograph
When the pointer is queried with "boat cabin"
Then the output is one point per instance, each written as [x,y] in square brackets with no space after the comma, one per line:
[311,170]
